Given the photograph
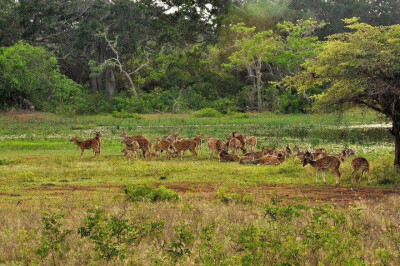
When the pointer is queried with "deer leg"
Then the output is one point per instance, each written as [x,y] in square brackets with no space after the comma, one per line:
[353,176]
[316,176]
[82,151]
[369,181]
[338,174]
[323,176]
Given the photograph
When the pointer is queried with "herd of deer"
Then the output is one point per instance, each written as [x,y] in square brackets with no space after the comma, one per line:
[174,145]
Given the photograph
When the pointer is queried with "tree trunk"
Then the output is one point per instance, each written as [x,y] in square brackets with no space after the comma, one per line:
[133,88]
[97,84]
[110,81]
[252,75]
[259,85]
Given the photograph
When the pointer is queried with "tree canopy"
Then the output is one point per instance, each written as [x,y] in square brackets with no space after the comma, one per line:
[360,67]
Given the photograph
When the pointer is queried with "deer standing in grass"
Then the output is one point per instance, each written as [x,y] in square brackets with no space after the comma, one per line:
[215,145]
[131,147]
[98,138]
[183,145]
[199,141]
[357,164]
[144,144]
[164,145]
[87,145]
[324,164]
[252,142]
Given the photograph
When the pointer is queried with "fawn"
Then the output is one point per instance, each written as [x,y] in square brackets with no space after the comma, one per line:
[323,164]
[252,142]
[242,138]
[357,164]
[144,143]
[87,145]
[131,146]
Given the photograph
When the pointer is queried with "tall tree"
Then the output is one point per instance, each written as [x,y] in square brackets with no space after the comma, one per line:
[361,67]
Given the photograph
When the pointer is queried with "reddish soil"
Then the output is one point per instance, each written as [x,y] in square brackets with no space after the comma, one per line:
[262,192]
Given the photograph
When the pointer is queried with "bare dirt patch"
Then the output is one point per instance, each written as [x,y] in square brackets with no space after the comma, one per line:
[261,192]
[313,193]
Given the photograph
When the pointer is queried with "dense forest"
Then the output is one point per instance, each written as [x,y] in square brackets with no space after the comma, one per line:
[102,56]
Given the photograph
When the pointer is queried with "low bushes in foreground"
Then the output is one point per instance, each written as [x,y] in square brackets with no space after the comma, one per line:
[283,233]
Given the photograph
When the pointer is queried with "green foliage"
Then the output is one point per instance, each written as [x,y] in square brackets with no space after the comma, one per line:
[233,197]
[352,66]
[146,192]
[32,73]
[182,243]
[53,237]
[112,235]
[278,211]
[207,112]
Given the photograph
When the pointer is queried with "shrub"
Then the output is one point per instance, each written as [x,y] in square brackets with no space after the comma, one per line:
[182,242]
[148,193]
[32,73]
[112,234]
[53,237]
[223,105]
[207,112]
[229,197]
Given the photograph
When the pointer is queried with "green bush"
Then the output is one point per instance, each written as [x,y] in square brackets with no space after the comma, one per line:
[223,105]
[149,193]
[233,197]
[32,73]
[53,237]
[111,235]
[207,112]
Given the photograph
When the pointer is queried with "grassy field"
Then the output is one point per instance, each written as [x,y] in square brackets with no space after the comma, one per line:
[225,213]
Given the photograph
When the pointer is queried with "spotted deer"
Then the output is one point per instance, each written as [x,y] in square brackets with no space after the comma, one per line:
[183,145]
[199,141]
[173,137]
[131,146]
[87,145]
[252,142]
[144,144]
[288,150]
[324,164]
[357,164]
[98,138]
[242,138]
[215,145]
[224,156]
[233,144]
[270,160]
[166,145]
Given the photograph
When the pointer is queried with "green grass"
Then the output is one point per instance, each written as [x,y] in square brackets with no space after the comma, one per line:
[41,171]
